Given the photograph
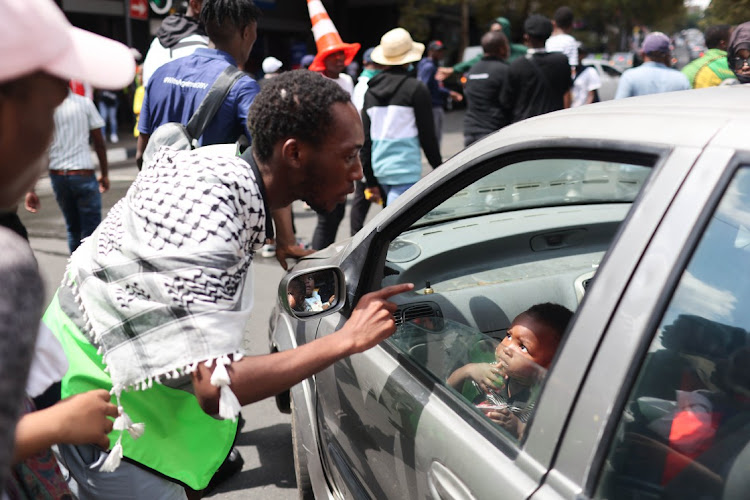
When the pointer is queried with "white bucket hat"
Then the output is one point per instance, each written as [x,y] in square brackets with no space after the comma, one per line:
[35,36]
[397,48]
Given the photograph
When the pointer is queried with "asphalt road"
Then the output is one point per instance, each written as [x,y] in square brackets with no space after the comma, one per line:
[265,442]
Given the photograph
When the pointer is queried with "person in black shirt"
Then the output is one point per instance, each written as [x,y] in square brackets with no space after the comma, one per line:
[484,84]
[539,82]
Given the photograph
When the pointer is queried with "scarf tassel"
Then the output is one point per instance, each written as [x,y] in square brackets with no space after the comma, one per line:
[229,405]
[122,423]
[114,458]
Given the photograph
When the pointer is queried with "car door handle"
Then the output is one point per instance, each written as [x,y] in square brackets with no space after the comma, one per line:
[444,484]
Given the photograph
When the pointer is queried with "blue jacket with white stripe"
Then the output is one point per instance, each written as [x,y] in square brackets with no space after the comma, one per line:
[397,119]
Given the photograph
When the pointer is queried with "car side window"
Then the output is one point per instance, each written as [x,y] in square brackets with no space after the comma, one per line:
[527,234]
[685,429]
[613,72]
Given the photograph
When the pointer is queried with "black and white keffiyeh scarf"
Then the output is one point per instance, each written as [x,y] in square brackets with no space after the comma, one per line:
[165,282]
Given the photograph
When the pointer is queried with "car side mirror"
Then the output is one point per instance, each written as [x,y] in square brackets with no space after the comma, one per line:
[313,292]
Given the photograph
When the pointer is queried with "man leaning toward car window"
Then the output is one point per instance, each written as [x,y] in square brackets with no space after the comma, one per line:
[159,304]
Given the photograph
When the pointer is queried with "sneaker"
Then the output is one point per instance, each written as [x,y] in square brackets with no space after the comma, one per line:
[268,251]
[114,139]
[304,244]
[231,466]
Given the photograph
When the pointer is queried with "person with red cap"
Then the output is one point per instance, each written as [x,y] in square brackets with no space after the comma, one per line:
[41,53]
[333,54]
[331,60]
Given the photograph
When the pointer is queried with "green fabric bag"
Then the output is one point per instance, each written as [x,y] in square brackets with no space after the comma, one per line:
[179,441]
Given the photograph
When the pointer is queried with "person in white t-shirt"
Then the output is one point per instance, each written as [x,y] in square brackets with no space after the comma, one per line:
[586,83]
[561,39]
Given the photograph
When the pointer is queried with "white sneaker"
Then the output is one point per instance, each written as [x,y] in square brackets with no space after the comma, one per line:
[114,139]
[268,251]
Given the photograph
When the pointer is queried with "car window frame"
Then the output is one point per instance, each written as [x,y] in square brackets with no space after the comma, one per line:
[582,478]
[377,247]
[616,151]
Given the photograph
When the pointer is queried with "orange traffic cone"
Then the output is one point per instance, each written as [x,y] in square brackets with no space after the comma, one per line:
[327,37]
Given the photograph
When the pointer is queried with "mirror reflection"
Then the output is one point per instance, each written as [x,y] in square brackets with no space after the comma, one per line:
[312,292]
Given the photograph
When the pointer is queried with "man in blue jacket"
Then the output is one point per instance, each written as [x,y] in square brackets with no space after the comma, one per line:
[178,87]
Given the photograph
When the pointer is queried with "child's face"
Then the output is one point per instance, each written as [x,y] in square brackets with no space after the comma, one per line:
[528,345]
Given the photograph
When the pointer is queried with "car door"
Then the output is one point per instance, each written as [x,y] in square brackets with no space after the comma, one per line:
[388,425]
[610,77]
[663,412]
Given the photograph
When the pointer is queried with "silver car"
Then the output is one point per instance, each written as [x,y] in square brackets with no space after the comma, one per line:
[635,214]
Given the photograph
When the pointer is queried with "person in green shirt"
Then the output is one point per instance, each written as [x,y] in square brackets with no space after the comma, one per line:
[499,24]
[711,69]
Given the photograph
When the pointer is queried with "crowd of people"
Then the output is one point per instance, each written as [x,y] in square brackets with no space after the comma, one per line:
[138,375]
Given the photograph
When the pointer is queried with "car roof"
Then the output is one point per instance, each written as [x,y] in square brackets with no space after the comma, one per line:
[687,118]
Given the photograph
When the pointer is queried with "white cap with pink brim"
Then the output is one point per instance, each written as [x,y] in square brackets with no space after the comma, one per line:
[36,36]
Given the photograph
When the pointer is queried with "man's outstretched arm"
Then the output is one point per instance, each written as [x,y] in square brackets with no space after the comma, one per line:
[257,377]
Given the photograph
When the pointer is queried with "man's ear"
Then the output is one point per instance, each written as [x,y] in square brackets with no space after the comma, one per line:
[292,151]
[195,7]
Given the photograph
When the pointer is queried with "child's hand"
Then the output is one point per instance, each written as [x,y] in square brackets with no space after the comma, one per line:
[487,375]
[508,421]
[83,418]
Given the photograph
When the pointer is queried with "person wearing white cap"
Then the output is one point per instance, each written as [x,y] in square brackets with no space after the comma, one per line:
[41,52]
[391,150]
[271,66]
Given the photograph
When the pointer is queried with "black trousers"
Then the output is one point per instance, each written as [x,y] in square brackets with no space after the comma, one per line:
[360,207]
[470,139]
[328,226]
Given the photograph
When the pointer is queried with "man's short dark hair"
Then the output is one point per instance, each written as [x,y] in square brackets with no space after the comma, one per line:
[563,17]
[552,315]
[294,104]
[222,18]
[715,34]
[494,42]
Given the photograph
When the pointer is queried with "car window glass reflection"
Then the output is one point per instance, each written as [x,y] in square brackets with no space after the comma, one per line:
[685,430]
[541,183]
[502,379]
[532,232]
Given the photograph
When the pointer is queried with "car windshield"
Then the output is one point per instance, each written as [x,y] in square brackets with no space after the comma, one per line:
[542,183]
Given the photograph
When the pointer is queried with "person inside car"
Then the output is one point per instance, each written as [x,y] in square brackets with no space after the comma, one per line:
[296,294]
[508,387]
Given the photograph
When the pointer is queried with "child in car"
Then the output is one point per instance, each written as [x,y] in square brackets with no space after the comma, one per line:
[509,386]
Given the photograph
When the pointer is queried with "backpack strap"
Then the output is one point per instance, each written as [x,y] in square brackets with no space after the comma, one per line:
[210,105]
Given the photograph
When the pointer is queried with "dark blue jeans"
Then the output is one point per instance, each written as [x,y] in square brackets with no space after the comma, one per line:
[81,205]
